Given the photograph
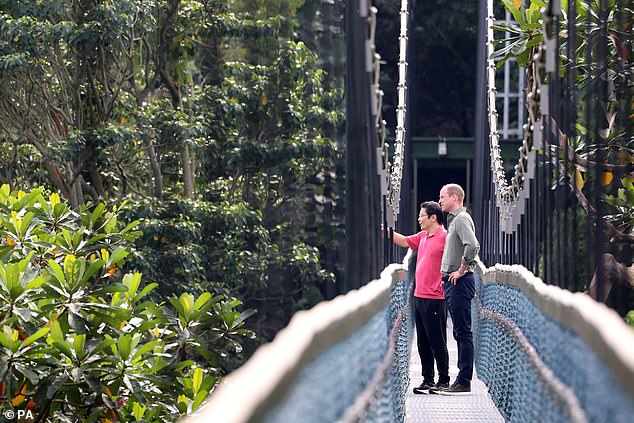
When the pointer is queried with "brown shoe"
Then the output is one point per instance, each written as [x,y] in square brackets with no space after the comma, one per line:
[455,389]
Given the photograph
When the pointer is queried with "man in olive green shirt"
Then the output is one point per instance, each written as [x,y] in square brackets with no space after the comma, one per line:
[461,249]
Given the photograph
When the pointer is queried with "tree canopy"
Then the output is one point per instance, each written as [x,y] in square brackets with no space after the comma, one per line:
[212,125]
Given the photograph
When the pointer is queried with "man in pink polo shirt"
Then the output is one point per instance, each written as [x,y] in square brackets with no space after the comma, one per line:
[430,307]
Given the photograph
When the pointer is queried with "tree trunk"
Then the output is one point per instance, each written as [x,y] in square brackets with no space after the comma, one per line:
[79,193]
[72,192]
[56,176]
[188,180]
[96,181]
[156,169]
[163,53]
[616,286]
[192,167]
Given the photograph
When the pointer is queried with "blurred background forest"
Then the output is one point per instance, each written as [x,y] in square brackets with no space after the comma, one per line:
[217,122]
[202,139]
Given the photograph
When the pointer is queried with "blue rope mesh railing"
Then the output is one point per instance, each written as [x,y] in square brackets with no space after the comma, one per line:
[389,405]
[335,379]
[545,354]
[548,355]
[344,360]
[368,372]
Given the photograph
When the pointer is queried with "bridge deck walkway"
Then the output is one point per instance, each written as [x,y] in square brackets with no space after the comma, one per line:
[475,407]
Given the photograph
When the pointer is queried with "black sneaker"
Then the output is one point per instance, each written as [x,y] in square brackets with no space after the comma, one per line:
[455,389]
[424,387]
[440,386]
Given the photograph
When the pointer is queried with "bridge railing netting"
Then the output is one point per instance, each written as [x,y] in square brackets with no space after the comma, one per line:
[546,354]
[550,355]
[344,360]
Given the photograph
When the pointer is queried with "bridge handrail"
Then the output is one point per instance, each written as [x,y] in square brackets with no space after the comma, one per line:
[590,363]
[250,392]
[600,326]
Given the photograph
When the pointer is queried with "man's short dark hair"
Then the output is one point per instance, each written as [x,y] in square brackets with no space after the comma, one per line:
[433,208]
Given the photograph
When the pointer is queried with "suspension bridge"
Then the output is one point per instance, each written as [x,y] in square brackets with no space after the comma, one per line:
[544,351]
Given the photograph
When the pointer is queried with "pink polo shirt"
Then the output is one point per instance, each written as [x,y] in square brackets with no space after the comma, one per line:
[430,248]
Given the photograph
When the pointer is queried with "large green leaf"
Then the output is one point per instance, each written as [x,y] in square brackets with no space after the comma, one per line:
[124,346]
[37,335]
[517,14]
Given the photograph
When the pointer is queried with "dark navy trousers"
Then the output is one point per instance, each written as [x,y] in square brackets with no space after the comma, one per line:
[459,298]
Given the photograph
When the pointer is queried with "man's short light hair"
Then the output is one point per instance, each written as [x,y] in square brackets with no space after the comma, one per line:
[455,189]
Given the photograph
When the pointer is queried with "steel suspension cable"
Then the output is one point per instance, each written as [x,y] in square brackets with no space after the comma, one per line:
[396,176]
[510,197]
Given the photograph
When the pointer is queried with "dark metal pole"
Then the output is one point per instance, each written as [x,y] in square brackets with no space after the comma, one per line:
[362,200]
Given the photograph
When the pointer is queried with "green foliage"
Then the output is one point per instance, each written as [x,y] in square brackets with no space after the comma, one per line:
[223,245]
[81,340]
[608,139]
[271,119]
[199,245]
[263,140]
[257,28]
[623,203]
[524,36]
[209,118]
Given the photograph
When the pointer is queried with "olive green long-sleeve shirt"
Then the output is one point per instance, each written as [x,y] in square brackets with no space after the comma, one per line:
[461,245]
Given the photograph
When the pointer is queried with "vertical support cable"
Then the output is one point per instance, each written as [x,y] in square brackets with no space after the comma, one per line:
[589,230]
[401,110]
[601,131]
[570,116]
[560,173]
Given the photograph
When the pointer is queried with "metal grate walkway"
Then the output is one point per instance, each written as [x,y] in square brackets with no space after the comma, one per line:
[476,407]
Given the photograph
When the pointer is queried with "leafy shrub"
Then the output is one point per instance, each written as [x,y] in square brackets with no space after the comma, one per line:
[224,245]
[79,340]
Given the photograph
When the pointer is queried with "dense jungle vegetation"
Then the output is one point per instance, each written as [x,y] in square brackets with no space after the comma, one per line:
[169,175]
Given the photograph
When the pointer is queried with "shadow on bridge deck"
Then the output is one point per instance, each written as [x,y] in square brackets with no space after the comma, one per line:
[476,407]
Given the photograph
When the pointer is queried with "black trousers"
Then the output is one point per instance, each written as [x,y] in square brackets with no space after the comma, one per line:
[431,330]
